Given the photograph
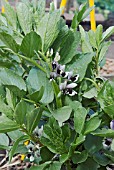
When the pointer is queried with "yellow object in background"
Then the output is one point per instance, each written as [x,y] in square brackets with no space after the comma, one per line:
[23,156]
[92,16]
[26,143]
[3,9]
[63,5]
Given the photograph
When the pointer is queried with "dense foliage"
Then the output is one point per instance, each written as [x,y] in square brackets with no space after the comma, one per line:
[55,108]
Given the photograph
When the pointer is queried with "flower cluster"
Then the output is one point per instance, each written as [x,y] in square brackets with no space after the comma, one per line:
[33,152]
[58,70]
[33,149]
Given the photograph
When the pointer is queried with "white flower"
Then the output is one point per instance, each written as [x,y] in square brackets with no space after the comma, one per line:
[69,74]
[51,52]
[48,53]
[62,86]
[53,75]
[54,65]
[31,158]
[40,131]
[60,69]
[71,86]
[112,124]
[57,56]
[106,143]
[71,92]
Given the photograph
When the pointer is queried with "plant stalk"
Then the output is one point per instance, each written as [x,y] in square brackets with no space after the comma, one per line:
[95,84]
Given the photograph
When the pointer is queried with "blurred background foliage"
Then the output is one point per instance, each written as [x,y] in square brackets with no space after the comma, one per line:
[102,4]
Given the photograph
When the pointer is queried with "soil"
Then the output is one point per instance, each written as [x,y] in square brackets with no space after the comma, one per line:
[108,69]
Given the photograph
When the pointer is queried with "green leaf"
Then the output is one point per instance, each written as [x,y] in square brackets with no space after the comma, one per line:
[109,154]
[81,12]
[9,42]
[99,32]
[48,29]
[37,95]
[9,78]
[112,145]
[40,167]
[92,125]
[93,144]
[106,98]
[33,119]
[40,9]
[12,152]
[31,43]
[79,64]
[2,147]
[79,118]
[55,166]
[101,159]
[104,133]
[62,114]
[108,33]
[48,166]
[86,46]
[53,137]
[9,98]
[10,14]
[24,17]
[66,132]
[92,39]
[74,21]
[14,135]
[109,110]
[88,165]
[80,139]
[69,47]
[22,108]
[90,93]
[34,82]
[46,155]
[87,12]
[79,157]
[21,149]
[4,140]
[62,36]
[104,49]
[7,125]
[4,108]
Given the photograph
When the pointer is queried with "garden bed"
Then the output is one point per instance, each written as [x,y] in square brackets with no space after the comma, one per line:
[108,69]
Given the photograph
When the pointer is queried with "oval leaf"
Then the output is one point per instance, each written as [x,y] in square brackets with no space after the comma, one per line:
[30,44]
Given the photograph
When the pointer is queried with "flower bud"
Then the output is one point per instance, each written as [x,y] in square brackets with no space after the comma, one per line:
[112,124]
[51,52]
[53,75]
[57,57]
[62,86]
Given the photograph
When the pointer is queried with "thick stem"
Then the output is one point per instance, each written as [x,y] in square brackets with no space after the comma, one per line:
[38,104]
[97,62]
[33,62]
[68,165]
[32,137]
[95,84]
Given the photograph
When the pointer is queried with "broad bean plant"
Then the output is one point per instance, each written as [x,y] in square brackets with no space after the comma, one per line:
[56,110]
